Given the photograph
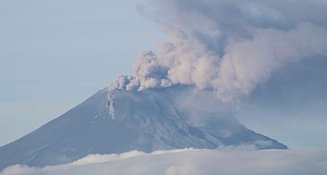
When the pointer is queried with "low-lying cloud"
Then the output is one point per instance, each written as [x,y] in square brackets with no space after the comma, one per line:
[190,161]
[227,161]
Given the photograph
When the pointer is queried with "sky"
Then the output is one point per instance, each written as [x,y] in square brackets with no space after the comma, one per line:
[55,54]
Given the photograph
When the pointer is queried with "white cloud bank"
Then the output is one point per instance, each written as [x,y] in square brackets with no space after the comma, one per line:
[190,162]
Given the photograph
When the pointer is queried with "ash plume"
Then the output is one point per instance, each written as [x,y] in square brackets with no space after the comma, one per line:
[228,47]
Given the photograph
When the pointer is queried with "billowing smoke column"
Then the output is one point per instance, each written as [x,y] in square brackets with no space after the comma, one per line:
[227,46]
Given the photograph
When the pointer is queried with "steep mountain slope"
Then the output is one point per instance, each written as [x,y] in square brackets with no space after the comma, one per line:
[131,120]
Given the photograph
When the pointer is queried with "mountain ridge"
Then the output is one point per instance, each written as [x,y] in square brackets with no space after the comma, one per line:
[147,121]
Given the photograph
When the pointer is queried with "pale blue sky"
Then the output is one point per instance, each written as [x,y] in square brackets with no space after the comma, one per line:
[55,54]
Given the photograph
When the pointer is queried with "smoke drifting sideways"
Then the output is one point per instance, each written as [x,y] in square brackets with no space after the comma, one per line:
[227,47]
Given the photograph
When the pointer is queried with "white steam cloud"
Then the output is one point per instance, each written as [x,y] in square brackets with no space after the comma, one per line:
[228,46]
[229,161]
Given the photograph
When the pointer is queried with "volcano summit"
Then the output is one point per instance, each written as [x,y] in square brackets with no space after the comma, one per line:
[120,121]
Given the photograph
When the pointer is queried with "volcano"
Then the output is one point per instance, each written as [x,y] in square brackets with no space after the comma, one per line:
[121,121]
